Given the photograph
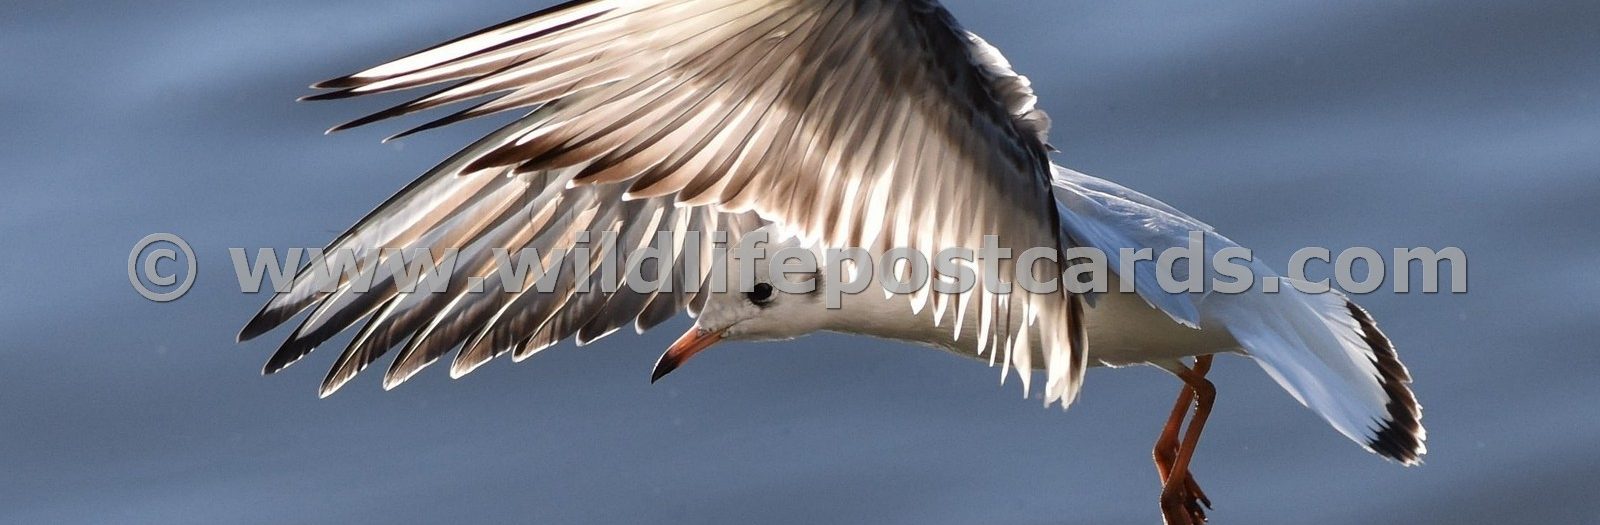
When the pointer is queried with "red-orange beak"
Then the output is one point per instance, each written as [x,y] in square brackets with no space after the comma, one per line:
[691,343]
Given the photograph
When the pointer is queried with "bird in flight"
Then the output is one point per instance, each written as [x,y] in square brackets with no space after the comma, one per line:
[874,124]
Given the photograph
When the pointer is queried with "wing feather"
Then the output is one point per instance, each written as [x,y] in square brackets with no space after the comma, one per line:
[871,123]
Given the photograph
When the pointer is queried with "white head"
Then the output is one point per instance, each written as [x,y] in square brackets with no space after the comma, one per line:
[759,310]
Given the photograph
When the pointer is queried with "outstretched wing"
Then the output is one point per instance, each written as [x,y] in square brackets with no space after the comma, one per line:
[862,123]
[492,220]
[1323,348]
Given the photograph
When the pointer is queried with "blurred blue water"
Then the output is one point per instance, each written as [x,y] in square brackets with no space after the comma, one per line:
[1379,123]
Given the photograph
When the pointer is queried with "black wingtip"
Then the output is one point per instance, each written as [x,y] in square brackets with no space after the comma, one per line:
[344,82]
[350,125]
[1398,442]
[376,117]
[292,350]
[419,129]
[331,95]
[249,332]
[1400,435]
[258,325]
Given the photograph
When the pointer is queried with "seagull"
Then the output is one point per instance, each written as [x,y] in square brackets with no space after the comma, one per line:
[825,123]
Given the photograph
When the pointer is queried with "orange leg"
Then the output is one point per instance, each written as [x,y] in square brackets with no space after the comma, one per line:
[1181,497]
[1166,449]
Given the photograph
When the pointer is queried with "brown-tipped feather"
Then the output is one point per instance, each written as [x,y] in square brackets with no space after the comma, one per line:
[1400,436]
[784,107]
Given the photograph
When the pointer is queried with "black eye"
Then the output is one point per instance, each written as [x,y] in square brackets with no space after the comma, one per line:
[761,294]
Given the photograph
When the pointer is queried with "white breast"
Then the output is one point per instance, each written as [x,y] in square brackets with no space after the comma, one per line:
[1123,329]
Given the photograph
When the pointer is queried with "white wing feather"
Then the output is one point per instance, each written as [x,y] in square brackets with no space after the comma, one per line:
[1322,348]
[872,123]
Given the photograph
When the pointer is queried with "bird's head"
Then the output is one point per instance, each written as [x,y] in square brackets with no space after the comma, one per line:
[756,309]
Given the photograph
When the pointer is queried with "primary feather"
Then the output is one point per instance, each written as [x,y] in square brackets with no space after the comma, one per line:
[870,123]
[833,120]
[1322,348]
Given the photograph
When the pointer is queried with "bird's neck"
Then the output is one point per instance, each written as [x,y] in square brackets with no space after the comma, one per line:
[871,314]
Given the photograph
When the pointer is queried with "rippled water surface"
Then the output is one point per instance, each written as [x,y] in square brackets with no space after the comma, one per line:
[1283,123]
